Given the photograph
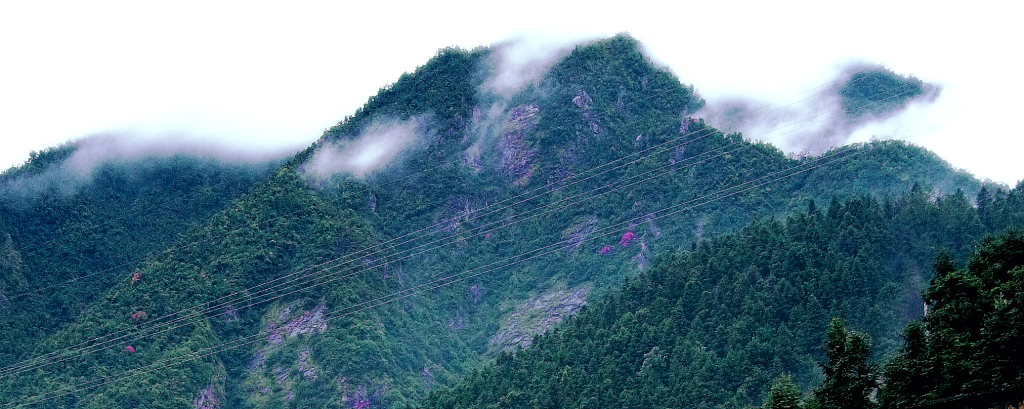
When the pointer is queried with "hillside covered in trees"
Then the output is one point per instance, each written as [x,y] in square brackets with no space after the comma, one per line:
[59,224]
[320,282]
[714,325]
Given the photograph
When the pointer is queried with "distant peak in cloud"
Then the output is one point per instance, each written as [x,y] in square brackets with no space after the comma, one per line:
[869,90]
[861,97]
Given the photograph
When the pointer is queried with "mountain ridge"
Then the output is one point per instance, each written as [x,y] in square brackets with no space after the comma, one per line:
[601,102]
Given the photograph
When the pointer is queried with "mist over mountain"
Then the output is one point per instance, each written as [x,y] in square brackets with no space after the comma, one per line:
[68,167]
[68,232]
[417,253]
[861,98]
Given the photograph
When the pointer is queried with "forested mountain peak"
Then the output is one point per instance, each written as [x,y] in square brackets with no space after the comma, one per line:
[446,223]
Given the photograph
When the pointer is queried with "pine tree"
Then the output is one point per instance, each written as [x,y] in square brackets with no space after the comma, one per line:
[784,394]
[849,377]
[971,340]
[906,379]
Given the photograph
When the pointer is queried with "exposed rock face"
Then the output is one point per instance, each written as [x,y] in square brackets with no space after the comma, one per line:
[517,156]
[578,233]
[583,100]
[311,322]
[476,292]
[699,230]
[459,210]
[258,361]
[537,316]
[678,154]
[643,258]
[361,398]
[280,379]
[652,225]
[230,314]
[207,399]
[309,372]
[281,376]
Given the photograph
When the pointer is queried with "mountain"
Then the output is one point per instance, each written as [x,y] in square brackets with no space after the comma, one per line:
[59,222]
[340,280]
[713,326]
[863,93]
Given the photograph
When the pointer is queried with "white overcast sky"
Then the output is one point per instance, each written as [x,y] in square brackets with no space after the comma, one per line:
[274,75]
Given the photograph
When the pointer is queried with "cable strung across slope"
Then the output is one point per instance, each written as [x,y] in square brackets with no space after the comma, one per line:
[767,108]
[250,295]
[332,280]
[231,304]
[300,286]
[448,280]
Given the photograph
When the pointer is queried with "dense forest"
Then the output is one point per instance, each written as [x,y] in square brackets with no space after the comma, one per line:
[714,325]
[705,265]
[965,353]
[970,341]
[59,224]
[866,92]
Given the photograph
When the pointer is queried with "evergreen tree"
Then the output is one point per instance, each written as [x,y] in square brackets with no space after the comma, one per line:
[905,375]
[971,340]
[849,377]
[784,394]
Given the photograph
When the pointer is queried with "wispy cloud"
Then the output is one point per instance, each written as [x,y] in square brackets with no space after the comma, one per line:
[372,150]
[95,150]
[92,152]
[519,62]
[825,118]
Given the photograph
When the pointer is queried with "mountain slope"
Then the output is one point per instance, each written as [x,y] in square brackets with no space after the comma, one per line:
[485,179]
[714,326]
[60,223]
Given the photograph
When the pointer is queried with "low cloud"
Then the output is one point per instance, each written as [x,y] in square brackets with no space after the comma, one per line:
[95,150]
[522,61]
[485,127]
[90,153]
[830,116]
[378,145]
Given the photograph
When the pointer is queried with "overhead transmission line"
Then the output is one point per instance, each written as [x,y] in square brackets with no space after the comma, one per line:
[231,304]
[767,108]
[454,278]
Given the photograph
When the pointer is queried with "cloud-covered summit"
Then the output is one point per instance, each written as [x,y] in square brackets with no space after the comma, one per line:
[862,98]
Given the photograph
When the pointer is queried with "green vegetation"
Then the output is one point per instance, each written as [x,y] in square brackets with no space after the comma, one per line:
[784,394]
[860,94]
[965,353]
[57,224]
[970,341]
[706,326]
[714,326]
[849,377]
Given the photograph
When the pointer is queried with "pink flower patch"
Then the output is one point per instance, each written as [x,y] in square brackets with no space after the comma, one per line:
[627,238]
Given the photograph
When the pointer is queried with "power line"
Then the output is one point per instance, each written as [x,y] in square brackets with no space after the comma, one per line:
[29,366]
[767,108]
[448,280]
[303,279]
